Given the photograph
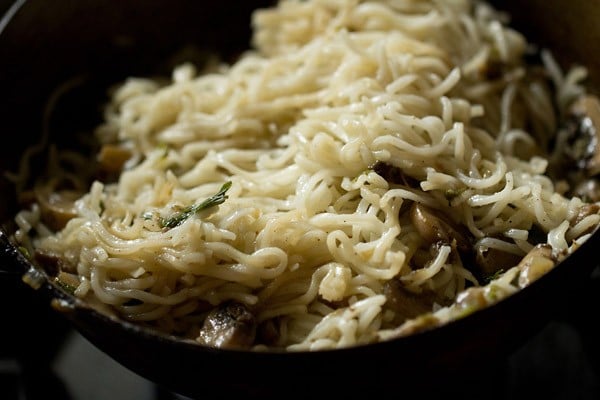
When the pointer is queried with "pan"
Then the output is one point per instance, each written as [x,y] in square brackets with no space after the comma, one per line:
[90,45]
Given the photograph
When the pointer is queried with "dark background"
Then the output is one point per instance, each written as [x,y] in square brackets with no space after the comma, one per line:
[52,361]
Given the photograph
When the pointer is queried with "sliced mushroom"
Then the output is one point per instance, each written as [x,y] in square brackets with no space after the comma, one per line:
[404,303]
[577,149]
[491,260]
[68,282]
[57,207]
[435,227]
[582,140]
[535,264]
[112,158]
[393,174]
[52,263]
[230,325]
[584,211]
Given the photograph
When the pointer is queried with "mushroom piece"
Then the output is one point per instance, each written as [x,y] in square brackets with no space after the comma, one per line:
[393,174]
[584,211]
[575,158]
[535,264]
[404,303]
[231,325]
[52,263]
[111,160]
[435,227]
[577,149]
[112,157]
[586,112]
[57,206]
[490,260]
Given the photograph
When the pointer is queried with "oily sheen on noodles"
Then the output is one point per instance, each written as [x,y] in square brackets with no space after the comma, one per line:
[357,166]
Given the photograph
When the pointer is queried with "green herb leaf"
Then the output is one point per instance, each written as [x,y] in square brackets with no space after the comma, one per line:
[184,214]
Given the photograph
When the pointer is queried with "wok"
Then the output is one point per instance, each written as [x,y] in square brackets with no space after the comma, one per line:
[95,43]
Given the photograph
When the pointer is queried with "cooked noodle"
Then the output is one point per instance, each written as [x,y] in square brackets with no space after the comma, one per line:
[342,116]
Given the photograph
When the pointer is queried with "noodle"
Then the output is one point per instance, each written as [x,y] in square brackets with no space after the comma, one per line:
[376,151]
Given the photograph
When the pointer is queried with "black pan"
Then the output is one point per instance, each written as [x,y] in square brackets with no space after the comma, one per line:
[95,43]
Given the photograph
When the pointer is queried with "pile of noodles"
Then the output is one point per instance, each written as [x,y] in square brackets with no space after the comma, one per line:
[309,232]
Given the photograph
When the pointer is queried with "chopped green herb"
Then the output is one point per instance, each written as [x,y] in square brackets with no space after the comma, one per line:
[147,215]
[181,216]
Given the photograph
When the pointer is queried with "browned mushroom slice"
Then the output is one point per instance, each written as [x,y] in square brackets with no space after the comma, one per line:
[68,282]
[406,304]
[584,211]
[393,174]
[112,158]
[57,207]
[587,110]
[535,264]
[52,263]
[578,145]
[490,260]
[230,325]
[434,227]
